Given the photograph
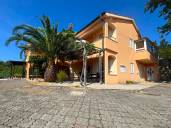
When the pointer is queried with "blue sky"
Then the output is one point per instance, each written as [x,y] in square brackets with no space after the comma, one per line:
[78,12]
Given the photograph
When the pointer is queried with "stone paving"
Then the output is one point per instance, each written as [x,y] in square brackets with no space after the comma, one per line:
[23,105]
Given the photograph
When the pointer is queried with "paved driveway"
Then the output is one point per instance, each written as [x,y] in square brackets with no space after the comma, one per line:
[24,105]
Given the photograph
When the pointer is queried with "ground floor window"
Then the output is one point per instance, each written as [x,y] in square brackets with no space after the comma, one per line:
[112,65]
[122,68]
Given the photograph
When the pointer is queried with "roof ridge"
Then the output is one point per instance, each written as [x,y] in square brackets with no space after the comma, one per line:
[110,12]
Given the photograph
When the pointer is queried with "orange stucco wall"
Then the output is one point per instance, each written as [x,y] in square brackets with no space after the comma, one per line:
[125,31]
[98,34]
[120,49]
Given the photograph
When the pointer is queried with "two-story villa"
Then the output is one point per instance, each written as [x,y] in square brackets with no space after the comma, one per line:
[126,55]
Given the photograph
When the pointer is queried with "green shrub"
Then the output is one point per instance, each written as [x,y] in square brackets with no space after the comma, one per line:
[4,74]
[5,70]
[61,76]
[130,82]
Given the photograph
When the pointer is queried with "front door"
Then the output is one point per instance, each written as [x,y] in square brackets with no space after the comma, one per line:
[149,73]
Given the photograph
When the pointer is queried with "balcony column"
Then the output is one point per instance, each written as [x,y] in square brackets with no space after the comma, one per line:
[27,70]
[85,65]
[145,44]
[105,34]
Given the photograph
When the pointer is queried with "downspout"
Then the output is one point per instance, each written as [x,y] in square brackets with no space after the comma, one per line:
[103,58]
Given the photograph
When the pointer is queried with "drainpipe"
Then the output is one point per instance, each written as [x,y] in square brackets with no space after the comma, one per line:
[103,59]
[100,68]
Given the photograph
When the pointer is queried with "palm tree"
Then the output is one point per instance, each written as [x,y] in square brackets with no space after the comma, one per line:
[53,45]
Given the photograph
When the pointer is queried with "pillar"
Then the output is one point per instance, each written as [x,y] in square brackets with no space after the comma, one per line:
[71,72]
[100,68]
[27,70]
[145,44]
[105,63]
[85,66]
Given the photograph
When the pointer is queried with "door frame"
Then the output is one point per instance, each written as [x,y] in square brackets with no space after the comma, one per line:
[149,73]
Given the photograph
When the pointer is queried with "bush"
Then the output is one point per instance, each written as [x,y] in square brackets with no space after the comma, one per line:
[130,82]
[5,70]
[61,76]
[4,74]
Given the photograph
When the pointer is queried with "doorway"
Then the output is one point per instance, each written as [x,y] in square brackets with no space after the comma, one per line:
[150,73]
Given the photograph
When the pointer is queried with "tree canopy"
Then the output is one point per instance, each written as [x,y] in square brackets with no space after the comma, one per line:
[164,7]
[47,41]
[165,49]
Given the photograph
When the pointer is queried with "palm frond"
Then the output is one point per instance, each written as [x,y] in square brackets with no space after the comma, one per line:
[45,39]
[17,38]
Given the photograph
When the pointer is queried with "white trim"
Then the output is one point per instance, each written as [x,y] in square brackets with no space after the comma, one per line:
[132,68]
[117,16]
[140,49]
[110,15]
[145,44]
[131,43]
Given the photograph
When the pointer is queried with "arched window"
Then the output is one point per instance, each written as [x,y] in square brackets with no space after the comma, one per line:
[112,65]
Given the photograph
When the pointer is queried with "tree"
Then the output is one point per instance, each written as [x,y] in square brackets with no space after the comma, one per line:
[165,49]
[165,59]
[45,40]
[164,7]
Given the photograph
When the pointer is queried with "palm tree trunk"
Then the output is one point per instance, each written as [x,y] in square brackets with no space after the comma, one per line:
[50,73]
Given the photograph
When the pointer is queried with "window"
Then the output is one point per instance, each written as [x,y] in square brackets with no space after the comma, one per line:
[140,44]
[132,68]
[112,33]
[131,43]
[112,65]
[111,61]
[122,68]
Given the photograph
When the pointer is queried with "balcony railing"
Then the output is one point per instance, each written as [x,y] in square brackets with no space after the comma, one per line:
[147,45]
[140,45]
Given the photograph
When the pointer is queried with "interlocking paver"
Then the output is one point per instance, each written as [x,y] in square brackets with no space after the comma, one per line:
[52,124]
[25,123]
[82,121]
[39,124]
[46,117]
[22,105]
[95,123]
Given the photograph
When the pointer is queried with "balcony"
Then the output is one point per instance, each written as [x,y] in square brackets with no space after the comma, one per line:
[110,44]
[98,43]
[146,51]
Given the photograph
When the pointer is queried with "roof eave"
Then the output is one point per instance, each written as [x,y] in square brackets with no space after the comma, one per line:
[112,15]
